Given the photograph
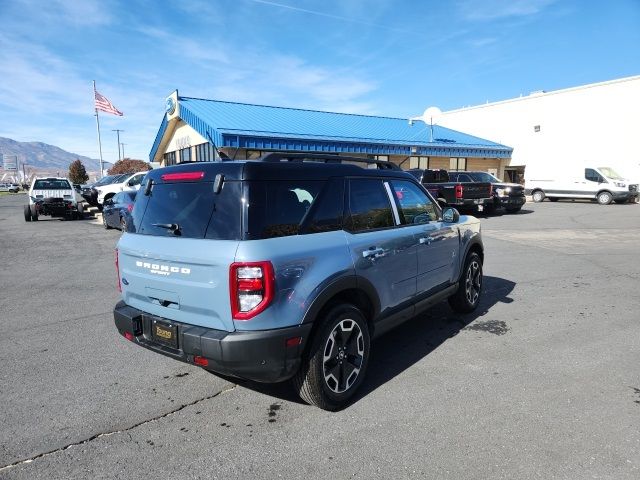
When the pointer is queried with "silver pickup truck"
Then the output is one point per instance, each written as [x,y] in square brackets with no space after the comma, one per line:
[54,197]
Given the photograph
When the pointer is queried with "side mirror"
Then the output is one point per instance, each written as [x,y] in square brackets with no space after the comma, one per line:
[450,215]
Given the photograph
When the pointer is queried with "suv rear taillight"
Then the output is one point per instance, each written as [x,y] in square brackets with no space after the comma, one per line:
[458,191]
[118,272]
[251,286]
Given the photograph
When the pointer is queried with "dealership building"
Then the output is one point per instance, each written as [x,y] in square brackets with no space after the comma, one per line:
[563,131]
[195,129]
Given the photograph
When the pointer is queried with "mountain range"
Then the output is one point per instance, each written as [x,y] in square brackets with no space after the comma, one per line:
[44,156]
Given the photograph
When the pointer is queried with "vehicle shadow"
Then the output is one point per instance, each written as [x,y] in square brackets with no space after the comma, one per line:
[502,213]
[399,349]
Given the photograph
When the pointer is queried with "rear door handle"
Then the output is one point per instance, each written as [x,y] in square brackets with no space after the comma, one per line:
[373,252]
[426,240]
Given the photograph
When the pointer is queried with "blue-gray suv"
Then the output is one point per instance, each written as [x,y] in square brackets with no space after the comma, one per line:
[286,267]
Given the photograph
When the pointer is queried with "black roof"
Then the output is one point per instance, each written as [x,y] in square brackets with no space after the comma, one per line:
[276,166]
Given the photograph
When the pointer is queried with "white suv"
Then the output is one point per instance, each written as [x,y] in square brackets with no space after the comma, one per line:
[131,182]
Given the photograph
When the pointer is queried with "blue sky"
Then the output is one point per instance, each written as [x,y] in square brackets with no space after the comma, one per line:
[380,57]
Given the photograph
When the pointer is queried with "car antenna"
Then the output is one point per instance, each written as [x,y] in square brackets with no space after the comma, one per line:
[221,155]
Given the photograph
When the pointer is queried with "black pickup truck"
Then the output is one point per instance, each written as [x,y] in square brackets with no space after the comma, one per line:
[465,196]
[509,196]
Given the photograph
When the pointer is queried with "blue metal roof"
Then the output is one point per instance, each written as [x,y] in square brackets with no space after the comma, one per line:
[242,125]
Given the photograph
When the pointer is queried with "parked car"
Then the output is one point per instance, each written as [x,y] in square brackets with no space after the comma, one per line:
[116,211]
[468,196]
[603,184]
[509,196]
[9,187]
[54,197]
[90,192]
[285,268]
[122,183]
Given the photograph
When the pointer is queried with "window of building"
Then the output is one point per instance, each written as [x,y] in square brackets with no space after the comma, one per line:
[205,153]
[169,158]
[185,154]
[419,162]
[457,164]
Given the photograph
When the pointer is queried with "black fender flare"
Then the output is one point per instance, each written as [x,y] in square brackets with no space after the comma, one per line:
[474,242]
[351,282]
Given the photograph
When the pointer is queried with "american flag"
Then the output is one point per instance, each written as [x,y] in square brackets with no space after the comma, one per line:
[104,105]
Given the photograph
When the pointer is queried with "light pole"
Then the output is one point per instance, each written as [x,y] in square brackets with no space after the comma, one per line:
[117,130]
[123,144]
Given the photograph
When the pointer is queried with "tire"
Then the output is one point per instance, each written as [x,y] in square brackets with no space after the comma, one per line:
[513,210]
[553,199]
[104,223]
[321,379]
[34,213]
[80,211]
[469,291]
[123,224]
[604,198]
[27,213]
[538,196]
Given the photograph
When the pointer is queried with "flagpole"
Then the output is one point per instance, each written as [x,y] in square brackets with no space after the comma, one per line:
[98,127]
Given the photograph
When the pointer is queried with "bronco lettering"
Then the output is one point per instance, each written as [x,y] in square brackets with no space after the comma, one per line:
[165,270]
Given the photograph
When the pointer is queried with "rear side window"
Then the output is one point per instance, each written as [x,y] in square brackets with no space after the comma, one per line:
[327,212]
[369,207]
[189,210]
[277,208]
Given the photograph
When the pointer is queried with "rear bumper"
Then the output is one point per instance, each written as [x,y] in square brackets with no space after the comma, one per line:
[56,209]
[470,202]
[510,202]
[261,356]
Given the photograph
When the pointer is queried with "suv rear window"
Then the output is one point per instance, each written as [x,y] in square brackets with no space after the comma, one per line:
[189,210]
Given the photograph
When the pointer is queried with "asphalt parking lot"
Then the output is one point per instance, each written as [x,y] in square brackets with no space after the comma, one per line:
[542,382]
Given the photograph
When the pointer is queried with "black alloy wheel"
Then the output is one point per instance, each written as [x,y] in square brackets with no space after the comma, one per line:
[336,363]
[467,297]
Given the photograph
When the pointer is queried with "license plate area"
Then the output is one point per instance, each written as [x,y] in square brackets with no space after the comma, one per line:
[164,333]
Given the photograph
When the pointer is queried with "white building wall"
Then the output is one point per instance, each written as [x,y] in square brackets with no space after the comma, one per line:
[596,125]
[183,137]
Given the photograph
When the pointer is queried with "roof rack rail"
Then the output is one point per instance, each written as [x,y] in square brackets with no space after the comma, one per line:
[326,158]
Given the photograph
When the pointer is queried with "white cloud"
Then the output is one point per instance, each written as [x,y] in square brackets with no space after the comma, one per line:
[485,10]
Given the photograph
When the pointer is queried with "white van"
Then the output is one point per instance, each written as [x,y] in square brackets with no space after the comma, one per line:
[602,184]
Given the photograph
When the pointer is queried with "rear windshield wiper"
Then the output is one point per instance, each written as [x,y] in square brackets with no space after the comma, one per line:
[174,227]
